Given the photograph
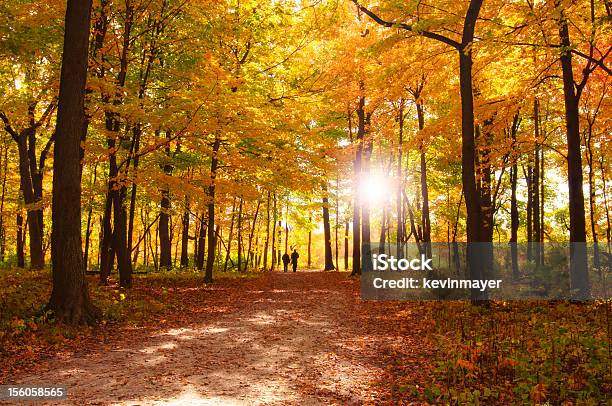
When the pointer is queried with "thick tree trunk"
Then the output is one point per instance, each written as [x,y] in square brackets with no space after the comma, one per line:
[479,260]
[329,260]
[579,277]
[70,297]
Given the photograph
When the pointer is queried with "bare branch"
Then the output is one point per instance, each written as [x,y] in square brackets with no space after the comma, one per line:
[408,27]
[8,128]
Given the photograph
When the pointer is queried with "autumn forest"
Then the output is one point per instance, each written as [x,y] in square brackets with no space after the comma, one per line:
[160,160]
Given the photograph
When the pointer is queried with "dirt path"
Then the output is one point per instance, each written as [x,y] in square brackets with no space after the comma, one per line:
[303,338]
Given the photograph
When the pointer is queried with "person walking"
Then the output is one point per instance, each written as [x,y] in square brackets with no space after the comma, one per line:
[286,260]
[294,259]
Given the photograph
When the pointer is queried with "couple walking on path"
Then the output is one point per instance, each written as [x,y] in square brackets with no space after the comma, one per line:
[293,260]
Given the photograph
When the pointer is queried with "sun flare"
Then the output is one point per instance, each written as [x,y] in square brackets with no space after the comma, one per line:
[375,189]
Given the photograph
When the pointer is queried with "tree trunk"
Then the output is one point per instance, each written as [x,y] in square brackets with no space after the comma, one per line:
[35,232]
[579,277]
[605,199]
[70,297]
[165,243]
[249,250]
[357,188]
[2,198]
[266,244]
[239,233]
[231,235]
[400,185]
[280,240]
[425,220]
[87,238]
[529,208]
[514,213]
[329,260]
[309,259]
[19,240]
[479,262]
[337,220]
[535,184]
[107,253]
[210,258]
[185,236]
[274,220]
[287,226]
[346,244]
[136,134]
[124,262]
[88,229]
[542,178]
[366,241]
[201,243]
[592,202]
[165,256]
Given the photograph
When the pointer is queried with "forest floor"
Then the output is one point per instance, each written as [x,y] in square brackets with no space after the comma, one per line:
[295,338]
[298,339]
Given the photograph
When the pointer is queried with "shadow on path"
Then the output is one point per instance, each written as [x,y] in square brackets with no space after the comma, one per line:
[304,338]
